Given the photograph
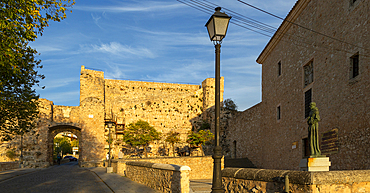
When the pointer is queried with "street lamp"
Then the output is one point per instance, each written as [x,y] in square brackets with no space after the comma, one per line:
[217,28]
[109,124]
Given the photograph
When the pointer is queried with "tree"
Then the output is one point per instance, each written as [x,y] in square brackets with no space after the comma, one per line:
[197,139]
[21,21]
[63,145]
[140,133]
[173,138]
[75,143]
[230,105]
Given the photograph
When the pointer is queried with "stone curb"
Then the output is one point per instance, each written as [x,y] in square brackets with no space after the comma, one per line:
[298,177]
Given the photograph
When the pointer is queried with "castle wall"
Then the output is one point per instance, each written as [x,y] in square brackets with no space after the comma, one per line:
[166,106]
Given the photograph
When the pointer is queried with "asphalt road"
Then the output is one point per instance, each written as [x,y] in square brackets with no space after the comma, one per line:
[67,177]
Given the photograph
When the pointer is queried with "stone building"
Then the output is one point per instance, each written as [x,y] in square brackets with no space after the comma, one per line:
[320,53]
[166,106]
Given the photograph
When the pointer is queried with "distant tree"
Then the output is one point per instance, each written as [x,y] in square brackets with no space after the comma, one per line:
[197,139]
[205,125]
[10,154]
[64,145]
[140,133]
[21,22]
[173,138]
[230,105]
[75,143]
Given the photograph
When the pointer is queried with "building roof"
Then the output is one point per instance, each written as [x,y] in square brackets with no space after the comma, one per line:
[297,9]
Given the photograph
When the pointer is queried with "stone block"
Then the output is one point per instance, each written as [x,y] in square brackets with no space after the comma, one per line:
[109,169]
[315,164]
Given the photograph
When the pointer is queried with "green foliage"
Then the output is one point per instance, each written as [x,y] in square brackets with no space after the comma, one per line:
[10,154]
[230,105]
[75,143]
[21,21]
[173,138]
[140,133]
[196,139]
[63,146]
[205,126]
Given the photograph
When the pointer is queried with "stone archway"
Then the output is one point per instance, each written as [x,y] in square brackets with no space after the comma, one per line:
[54,130]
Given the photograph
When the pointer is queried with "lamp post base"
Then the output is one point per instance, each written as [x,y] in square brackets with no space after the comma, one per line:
[217,178]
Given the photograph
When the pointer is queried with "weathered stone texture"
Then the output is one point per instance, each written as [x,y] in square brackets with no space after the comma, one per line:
[162,177]
[8,165]
[265,180]
[201,167]
[166,106]
[343,102]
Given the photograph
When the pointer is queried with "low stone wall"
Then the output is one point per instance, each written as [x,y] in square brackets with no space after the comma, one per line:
[201,167]
[8,165]
[87,164]
[162,177]
[264,180]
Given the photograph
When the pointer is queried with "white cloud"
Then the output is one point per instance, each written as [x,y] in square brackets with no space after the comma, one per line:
[116,48]
[96,20]
[53,83]
[61,97]
[47,48]
[144,7]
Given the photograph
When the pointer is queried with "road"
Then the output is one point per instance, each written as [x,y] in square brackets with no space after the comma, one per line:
[67,177]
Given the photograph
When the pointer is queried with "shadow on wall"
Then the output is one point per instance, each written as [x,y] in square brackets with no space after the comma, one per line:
[208,118]
[239,163]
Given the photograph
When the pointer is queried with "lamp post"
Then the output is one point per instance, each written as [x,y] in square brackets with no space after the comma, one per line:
[109,124]
[21,158]
[217,27]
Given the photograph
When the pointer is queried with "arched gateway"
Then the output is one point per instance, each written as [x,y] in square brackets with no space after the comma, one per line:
[54,130]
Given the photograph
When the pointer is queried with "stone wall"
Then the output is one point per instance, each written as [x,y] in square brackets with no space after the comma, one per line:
[265,180]
[243,131]
[201,167]
[162,177]
[343,101]
[8,165]
[166,106]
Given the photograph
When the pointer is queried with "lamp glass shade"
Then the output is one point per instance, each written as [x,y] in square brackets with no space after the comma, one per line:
[217,26]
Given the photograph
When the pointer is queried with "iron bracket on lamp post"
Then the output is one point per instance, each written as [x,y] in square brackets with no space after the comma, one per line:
[217,27]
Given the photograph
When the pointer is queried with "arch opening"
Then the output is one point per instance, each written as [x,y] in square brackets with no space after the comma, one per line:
[59,130]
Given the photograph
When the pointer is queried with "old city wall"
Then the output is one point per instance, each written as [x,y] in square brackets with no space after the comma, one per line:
[343,102]
[244,132]
[167,107]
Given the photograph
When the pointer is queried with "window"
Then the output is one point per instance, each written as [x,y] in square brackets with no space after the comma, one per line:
[279,68]
[307,101]
[308,73]
[354,66]
[278,113]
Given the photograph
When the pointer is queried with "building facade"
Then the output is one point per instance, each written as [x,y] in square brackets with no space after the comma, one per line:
[320,53]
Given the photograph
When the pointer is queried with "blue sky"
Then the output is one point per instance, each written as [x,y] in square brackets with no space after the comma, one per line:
[160,41]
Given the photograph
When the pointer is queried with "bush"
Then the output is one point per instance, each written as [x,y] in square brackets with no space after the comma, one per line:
[10,154]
